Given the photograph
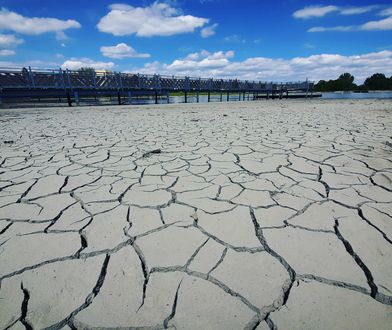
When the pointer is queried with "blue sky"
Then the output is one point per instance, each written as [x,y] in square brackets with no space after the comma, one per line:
[248,39]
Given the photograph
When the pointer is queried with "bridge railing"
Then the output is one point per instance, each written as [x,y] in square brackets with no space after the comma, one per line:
[71,79]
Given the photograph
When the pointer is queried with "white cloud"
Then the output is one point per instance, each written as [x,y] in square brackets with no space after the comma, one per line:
[386,12]
[158,19]
[234,38]
[357,10]
[36,64]
[320,11]
[384,24]
[12,21]
[77,63]
[315,67]
[314,11]
[208,31]
[9,40]
[333,28]
[121,50]
[6,52]
[61,35]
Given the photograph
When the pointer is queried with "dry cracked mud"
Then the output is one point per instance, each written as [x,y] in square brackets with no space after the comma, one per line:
[253,215]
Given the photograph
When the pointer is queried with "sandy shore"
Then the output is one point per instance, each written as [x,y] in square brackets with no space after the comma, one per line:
[201,216]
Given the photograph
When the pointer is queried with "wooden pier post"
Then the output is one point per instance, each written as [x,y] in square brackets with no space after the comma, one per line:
[156,97]
[228,96]
[119,98]
[221,96]
[267,95]
[69,100]
[186,97]
[168,97]
[243,96]
[197,97]
[239,96]
[209,96]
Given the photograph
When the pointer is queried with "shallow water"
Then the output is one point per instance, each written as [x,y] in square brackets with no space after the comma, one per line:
[351,95]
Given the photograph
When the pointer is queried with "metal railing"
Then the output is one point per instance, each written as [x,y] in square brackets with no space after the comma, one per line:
[27,78]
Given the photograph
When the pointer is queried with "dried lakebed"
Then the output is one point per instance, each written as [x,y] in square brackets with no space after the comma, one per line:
[254,215]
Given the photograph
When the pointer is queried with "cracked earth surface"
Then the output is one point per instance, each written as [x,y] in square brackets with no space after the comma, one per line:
[257,215]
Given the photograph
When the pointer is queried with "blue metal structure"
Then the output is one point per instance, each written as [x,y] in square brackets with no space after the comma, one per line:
[16,82]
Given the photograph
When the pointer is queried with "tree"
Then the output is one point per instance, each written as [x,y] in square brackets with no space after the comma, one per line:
[378,81]
[347,77]
[87,71]
[345,82]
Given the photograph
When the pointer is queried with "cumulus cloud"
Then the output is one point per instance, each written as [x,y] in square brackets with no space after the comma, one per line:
[201,61]
[158,19]
[9,40]
[323,66]
[320,11]
[121,50]
[208,31]
[12,21]
[6,52]
[77,63]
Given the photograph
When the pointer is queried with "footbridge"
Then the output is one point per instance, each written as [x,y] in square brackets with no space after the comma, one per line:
[18,85]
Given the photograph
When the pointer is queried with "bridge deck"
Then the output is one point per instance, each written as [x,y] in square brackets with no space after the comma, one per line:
[22,82]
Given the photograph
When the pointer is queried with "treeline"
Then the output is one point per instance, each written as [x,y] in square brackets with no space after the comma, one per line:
[345,82]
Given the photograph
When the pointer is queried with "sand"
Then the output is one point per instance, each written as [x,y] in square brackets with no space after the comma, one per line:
[255,215]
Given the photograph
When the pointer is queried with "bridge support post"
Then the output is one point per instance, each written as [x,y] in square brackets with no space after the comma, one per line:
[221,96]
[228,96]
[76,96]
[119,98]
[69,100]
[156,97]
[197,97]
[168,97]
[209,96]
[243,96]
[186,97]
